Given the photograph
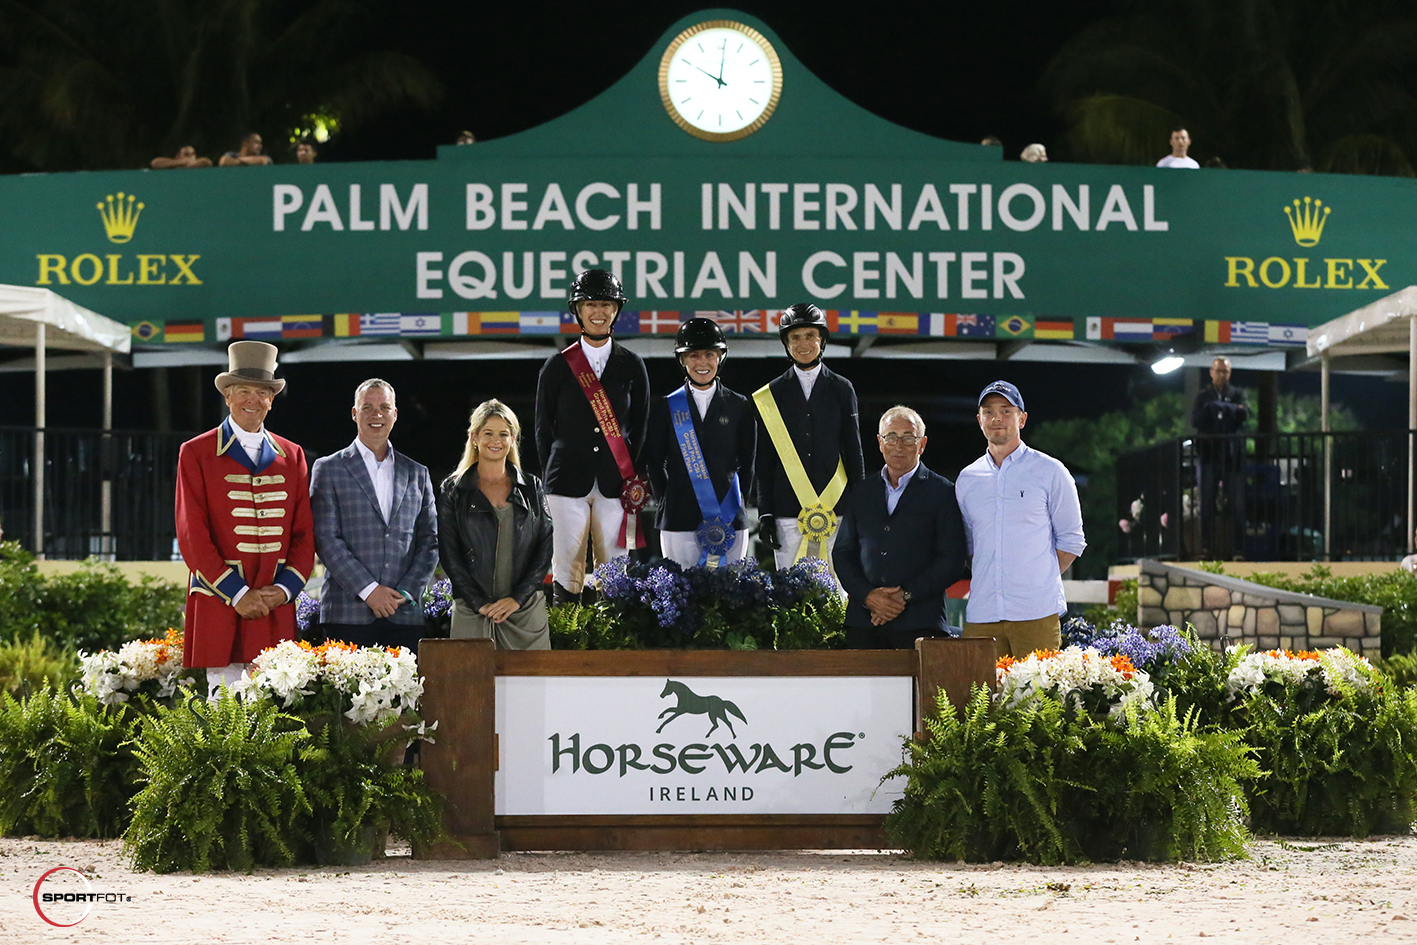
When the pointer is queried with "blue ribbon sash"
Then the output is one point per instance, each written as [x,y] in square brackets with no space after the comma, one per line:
[716,534]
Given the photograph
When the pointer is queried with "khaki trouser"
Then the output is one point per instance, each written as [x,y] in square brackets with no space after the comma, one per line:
[1018,638]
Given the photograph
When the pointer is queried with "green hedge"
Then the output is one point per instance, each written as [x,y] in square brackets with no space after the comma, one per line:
[94,608]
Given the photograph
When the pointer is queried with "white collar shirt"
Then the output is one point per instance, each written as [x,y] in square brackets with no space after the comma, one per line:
[807,377]
[1017,517]
[381,476]
[702,398]
[893,493]
[598,357]
[250,442]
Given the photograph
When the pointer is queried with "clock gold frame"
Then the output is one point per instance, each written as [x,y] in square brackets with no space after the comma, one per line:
[693,31]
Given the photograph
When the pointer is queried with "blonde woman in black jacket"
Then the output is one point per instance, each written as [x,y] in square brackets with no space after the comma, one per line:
[494,537]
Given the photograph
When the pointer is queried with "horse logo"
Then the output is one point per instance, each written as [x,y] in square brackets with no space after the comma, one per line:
[690,703]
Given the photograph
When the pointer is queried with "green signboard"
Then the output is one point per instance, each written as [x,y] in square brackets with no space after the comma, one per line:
[893,231]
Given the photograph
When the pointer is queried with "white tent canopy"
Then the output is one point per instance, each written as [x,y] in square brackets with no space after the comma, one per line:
[23,309]
[1386,326]
[37,318]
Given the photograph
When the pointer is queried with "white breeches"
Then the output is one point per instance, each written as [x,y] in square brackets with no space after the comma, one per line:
[592,518]
[683,547]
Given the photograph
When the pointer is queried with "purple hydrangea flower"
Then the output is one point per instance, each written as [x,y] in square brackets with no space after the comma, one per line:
[307,611]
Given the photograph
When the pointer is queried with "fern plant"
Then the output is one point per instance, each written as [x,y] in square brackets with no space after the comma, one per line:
[28,665]
[66,764]
[357,790]
[1337,766]
[221,787]
[1051,785]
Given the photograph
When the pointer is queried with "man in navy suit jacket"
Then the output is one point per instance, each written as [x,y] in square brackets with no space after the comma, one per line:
[901,543]
[376,530]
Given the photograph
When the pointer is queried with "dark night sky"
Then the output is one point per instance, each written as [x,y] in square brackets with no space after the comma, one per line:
[950,69]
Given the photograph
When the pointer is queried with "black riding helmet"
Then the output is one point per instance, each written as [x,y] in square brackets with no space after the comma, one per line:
[804,315]
[699,334]
[595,285]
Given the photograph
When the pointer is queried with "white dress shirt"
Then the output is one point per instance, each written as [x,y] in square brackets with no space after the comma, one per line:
[381,474]
[598,357]
[1017,517]
[702,398]
[807,377]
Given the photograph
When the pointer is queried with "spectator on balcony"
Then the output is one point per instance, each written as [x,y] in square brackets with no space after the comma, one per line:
[1034,154]
[1219,413]
[1023,525]
[1180,144]
[306,152]
[186,157]
[250,154]
[466,137]
[376,529]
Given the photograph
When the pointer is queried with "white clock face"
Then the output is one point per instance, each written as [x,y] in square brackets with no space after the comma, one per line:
[720,80]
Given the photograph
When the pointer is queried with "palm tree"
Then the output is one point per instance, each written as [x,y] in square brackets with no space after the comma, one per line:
[1267,84]
[87,85]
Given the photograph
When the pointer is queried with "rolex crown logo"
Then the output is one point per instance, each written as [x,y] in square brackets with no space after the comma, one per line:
[120,216]
[1307,221]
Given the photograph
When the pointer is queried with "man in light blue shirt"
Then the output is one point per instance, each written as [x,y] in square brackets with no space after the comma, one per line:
[1023,526]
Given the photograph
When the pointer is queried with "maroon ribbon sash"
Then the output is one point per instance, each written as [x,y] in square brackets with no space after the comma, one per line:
[635,490]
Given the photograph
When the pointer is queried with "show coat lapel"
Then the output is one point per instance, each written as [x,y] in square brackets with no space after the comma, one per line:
[911,492]
[360,474]
[793,393]
[403,478]
[229,445]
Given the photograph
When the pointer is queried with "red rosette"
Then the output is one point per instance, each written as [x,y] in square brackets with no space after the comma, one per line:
[635,494]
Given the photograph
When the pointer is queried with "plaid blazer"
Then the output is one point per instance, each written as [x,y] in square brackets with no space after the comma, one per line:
[358,546]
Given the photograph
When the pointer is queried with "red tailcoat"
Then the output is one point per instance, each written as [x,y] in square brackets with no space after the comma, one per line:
[240,524]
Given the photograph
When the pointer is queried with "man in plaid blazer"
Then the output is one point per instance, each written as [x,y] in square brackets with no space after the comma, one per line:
[376,529]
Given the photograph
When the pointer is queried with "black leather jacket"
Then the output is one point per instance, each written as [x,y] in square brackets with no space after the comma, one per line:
[467,537]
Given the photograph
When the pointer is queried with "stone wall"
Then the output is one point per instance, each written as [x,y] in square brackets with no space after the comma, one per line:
[1226,610]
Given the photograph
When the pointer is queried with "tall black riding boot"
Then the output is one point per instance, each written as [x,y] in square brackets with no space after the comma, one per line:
[559,595]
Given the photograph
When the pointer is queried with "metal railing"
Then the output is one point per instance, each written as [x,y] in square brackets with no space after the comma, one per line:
[138,468]
[1266,497]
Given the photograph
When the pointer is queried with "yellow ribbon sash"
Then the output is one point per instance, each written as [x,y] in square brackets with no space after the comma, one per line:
[817,520]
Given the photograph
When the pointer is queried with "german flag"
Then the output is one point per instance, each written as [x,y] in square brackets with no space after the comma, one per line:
[1054,330]
[184,332]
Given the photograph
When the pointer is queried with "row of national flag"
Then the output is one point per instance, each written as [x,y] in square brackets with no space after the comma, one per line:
[631,322]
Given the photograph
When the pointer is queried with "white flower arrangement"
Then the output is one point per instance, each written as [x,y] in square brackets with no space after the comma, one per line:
[1065,675]
[114,677]
[1342,671]
[378,684]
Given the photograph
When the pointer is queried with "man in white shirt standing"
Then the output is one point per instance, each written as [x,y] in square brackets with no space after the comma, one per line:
[1023,527]
[376,530]
[1180,143]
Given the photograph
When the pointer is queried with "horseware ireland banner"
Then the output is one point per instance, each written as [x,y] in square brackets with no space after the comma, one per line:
[699,744]
[893,231]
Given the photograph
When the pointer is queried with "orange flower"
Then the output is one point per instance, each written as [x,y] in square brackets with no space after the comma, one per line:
[1005,663]
[1123,664]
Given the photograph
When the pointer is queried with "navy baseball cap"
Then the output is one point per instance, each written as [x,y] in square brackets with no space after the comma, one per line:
[1006,390]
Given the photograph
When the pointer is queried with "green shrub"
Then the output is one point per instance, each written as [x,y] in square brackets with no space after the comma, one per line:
[27,666]
[1401,668]
[97,608]
[66,764]
[221,787]
[1394,591]
[1343,766]
[1043,783]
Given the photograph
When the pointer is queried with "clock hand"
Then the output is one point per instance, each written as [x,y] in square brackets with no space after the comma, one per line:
[722,57]
[712,76]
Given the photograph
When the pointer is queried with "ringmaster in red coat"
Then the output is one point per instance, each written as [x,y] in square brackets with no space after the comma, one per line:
[243,523]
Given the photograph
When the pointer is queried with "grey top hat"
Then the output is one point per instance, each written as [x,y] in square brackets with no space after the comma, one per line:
[250,362]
